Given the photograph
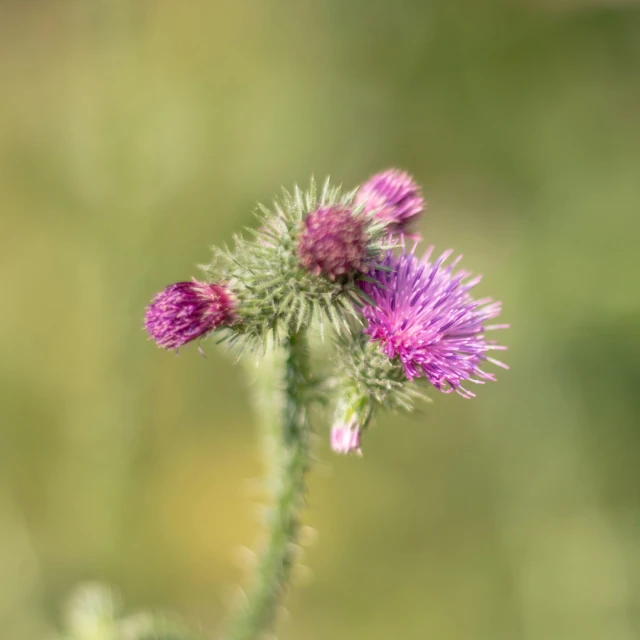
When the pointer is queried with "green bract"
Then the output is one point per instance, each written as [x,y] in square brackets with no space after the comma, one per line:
[275,294]
[368,379]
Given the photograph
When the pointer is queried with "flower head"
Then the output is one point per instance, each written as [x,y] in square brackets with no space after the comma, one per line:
[185,311]
[425,316]
[334,242]
[395,197]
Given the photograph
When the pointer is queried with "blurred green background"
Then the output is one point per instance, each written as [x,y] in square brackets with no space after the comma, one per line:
[133,135]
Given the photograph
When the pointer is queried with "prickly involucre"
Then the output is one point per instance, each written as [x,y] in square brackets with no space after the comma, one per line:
[302,265]
[367,381]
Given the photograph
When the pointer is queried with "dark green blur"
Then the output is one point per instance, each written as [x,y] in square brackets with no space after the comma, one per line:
[135,135]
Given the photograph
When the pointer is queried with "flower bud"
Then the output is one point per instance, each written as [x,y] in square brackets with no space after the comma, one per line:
[185,311]
[394,197]
[352,415]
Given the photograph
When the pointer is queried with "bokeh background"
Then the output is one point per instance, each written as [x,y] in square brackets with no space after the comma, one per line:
[133,135]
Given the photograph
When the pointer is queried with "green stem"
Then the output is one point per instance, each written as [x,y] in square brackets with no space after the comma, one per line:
[288,443]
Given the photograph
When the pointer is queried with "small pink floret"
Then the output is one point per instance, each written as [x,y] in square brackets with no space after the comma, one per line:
[333,242]
[345,439]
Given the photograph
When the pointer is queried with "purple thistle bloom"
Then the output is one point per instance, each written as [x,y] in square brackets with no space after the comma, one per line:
[333,242]
[425,316]
[395,197]
[185,311]
[345,439]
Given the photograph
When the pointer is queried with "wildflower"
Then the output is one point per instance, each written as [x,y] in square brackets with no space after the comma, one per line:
[425,316]
[334,242]
[395,198]
[185,311]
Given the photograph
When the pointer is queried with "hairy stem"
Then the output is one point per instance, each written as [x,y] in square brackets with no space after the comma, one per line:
[287,442]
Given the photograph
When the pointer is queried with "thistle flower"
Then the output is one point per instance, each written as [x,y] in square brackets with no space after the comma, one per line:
[395,198]
[333,242]
[185,311]
[425,316]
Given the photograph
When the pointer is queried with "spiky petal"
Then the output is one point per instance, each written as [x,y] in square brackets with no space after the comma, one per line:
[185,311]
[425,316]
[334,242]
[395,198]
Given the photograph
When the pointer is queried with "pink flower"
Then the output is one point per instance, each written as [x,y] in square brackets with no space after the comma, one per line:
[185,311]
[424,315]
[395,198]
[346,439]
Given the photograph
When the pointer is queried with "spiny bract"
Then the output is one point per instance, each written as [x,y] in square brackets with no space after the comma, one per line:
[275,292]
